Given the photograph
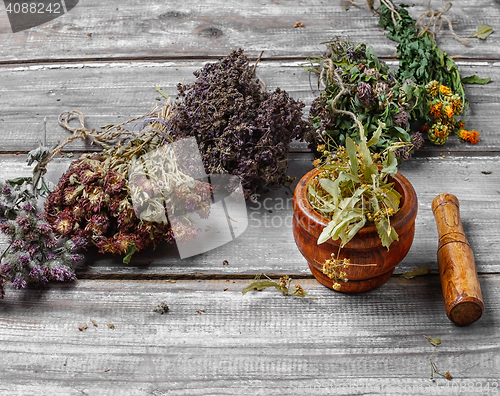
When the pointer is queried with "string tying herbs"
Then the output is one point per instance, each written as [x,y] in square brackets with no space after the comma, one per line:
[117,199]
[432,22]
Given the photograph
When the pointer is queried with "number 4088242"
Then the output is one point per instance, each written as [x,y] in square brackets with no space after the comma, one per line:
[34,8]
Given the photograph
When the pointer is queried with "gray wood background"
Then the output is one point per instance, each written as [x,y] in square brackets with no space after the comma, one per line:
[104,59]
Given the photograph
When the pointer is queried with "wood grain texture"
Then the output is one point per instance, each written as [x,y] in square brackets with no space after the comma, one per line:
[112,92]
[214,341]
[105,58]
[268,245]
[212,28]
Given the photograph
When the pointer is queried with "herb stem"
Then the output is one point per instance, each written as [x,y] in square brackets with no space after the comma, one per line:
[5,251]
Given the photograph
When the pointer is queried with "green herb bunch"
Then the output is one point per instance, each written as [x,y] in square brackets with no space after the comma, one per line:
[420,58]
[359,87]
[434,73]
[354,188]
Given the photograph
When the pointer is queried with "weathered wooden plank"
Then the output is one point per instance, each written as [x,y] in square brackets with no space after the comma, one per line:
[155,29]
[268,245]
[215,341]
[114,92]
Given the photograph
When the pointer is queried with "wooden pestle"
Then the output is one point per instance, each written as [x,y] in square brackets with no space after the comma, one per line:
[461,291]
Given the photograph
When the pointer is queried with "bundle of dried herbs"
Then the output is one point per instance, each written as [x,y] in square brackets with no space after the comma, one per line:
[34,253]
[117,199]
[433,71]
[420,58]
[357,83]
[240,128]
[359,88]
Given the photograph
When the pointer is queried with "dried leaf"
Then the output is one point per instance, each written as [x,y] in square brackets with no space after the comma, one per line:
[283,286]
[331,187]
[475,80]
[161,308]
[433,341]
[386,233]
[376,135]
[299,292]
[482,32]
[417,272]
[390,164]
[130,251]
[351,151]
[326,233]
[263,284]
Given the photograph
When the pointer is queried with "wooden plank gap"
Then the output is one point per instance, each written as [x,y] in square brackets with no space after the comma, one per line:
[81,275]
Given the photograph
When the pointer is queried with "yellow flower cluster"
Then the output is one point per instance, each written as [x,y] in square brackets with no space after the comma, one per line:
[332,268]
[443,106]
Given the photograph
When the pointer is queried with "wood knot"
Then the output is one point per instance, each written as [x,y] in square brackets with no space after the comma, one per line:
[211,32]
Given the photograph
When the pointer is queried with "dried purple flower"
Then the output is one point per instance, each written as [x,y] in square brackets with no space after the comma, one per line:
[234,120]
[35,272]
[4,268]
[76,258]
[6,190]
[31,249]
[17,244]
[401,118]
[7,228]
[364,93]
[64,223]
[45,228]
[75,244]
[24,260]
[19,283]
[113,183]
[97,225]
[23,222]
[62,274]
[51,256]
[28,207]
[50,243]
[192,202]
[417,140]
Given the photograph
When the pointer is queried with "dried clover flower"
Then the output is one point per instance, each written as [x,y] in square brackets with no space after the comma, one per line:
[100,196]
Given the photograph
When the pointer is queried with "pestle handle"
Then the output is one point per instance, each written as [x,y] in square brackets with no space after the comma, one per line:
[459,281]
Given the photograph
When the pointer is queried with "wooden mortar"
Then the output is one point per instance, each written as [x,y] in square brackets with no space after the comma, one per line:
[461,291]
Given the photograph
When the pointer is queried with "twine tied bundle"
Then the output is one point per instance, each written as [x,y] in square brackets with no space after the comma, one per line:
[430,21]
[109,134]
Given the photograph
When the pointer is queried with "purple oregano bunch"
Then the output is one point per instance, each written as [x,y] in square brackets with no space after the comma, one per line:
[240,128]
[33,254]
